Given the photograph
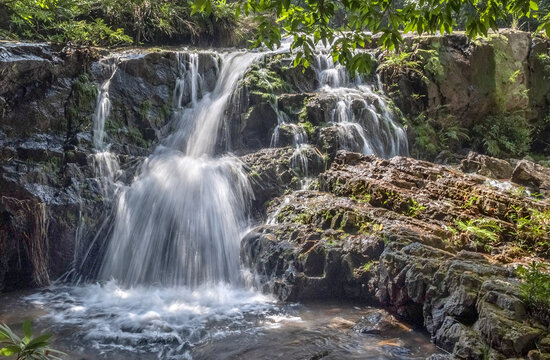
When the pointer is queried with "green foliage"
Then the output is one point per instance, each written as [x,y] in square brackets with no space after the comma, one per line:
[398,63]
[263,80]
[544,59]
[470,202]
[431,63]
[27,347]
[532,229]
[415,208]
[535,287]
[367,266]
[482,233]
[312,22]
[81,103]
[503,135]
[308,128]
[431,136]
[121,22]
[62,21]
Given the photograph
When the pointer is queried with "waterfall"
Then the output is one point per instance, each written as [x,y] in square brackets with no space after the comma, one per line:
[105,163]
[362,118]
[181,221]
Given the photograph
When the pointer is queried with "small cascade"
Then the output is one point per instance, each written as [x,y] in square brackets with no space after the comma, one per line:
[362,117]
[299,160]
[105,163]
[189,76]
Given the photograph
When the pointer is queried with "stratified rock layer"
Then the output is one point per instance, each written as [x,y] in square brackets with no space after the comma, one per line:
[385,231]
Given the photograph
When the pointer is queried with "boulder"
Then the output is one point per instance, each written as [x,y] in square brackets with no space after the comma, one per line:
[533,175]
[486,166]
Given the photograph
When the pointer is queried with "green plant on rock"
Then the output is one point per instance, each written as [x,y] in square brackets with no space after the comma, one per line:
[544,59]
[503,135]
[470,202]
[363,199]
[27,347]
[532,230]
[399,63]
[415,208]
[431,63]
[368,266]
[535,286]
[81,104]
[308,128]
[482,233]
[261,79]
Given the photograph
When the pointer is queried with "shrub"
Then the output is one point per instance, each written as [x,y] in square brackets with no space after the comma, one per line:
[535,288]
[481,233]
[503,135]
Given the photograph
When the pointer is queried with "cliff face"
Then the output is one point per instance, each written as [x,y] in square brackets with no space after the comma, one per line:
[453,82]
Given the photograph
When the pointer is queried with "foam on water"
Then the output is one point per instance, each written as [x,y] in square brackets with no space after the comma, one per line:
[154,319]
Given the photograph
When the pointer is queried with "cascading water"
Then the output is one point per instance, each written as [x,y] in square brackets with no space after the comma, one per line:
[171,262]
[105,163]
[362,118]
[180,222]
[299,159]
[170,282]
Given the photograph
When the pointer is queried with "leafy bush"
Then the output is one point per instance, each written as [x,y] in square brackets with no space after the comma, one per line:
[434,135]
[535,288]
[120,22]
[532,229]
[62,21]
[397,63]
[503,135]
[28,347]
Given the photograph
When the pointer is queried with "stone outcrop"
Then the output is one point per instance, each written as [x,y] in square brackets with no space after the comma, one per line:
[472,79]
[386,232]
[486,166]
[530,174]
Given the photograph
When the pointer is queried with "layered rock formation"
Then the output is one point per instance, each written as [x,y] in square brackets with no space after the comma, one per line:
[388,232]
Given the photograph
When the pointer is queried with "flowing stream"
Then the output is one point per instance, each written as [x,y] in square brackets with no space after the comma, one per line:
[171,284]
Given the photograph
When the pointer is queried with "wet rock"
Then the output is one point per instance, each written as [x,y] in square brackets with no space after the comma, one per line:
[377,322]
[362,237]
[530,174]
[486,166]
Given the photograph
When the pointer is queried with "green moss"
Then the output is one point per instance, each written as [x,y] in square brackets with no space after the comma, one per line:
[431,64]
[81,104]
[263,80]
[164,114]
[136,137]
[308,127]
[507,70]
[144,109]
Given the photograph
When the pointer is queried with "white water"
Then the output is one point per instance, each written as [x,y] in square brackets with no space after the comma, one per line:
[171,269]
[105,163]
[299,160]
[181,221]
[362,118]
